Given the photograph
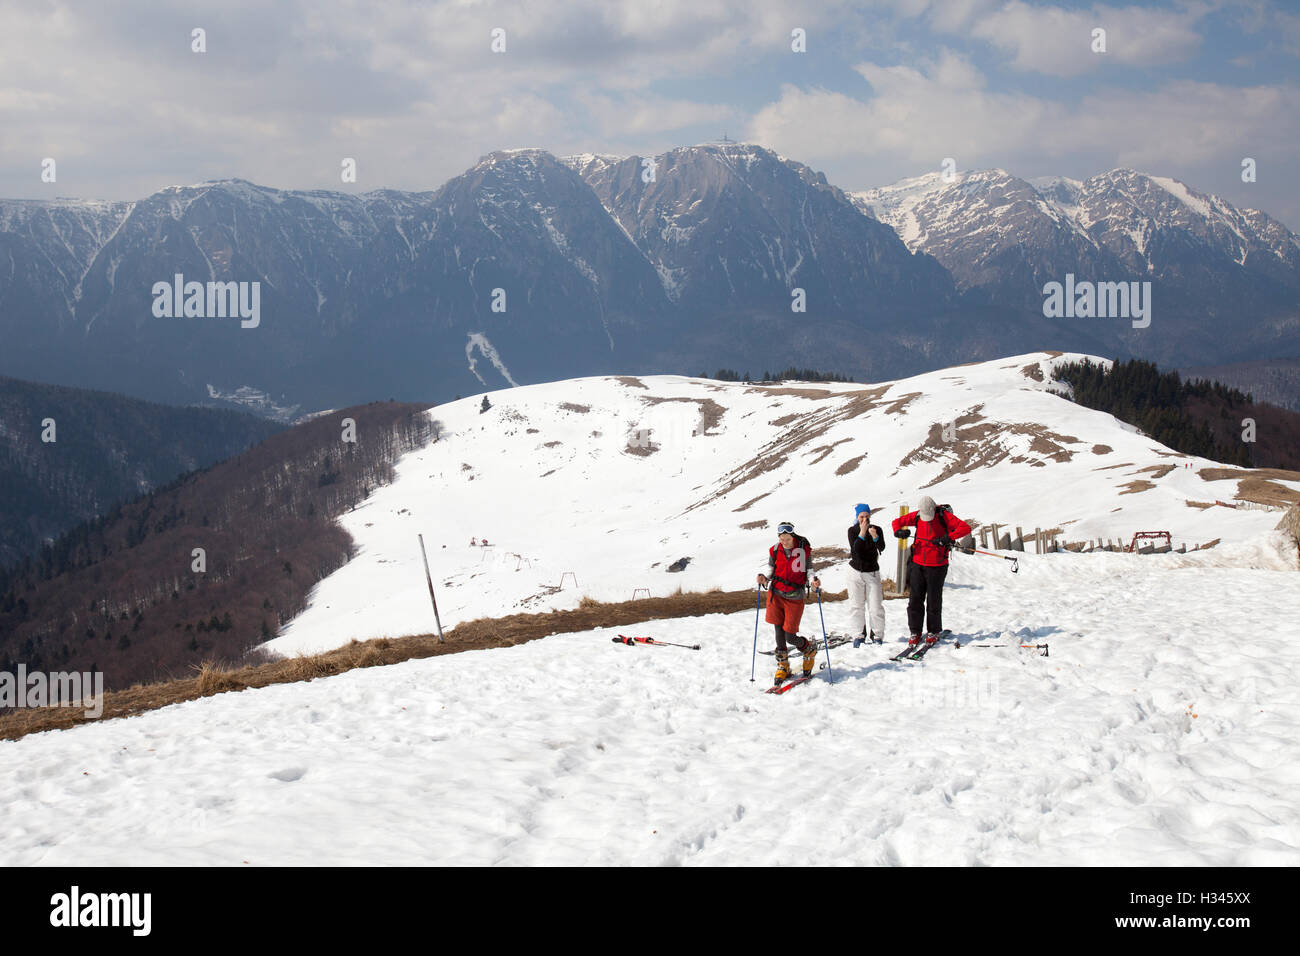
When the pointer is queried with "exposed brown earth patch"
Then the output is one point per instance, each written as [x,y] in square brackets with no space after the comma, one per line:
[1157,471]
[1218,474]
[791,392]
[571,407]
[897,405]
[1259,485]
[631,381]
[751,525]
[850,465]
[1123,464]
[825,450]
[1034,371]
[800,433]
[1265,492]
[1136,487]
[710,411]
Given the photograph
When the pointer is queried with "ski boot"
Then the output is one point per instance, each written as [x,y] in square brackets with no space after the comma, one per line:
[857,641]
[782,668]
[809,656]
[914,641]
[932,637]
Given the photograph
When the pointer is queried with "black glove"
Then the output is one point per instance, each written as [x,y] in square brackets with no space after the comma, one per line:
[946,542]
[903,533]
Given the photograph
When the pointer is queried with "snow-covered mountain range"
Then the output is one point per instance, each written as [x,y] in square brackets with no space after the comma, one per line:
[1209,262]
[701,257]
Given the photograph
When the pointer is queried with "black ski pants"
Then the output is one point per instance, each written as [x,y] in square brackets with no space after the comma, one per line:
[786,637]
[926,601]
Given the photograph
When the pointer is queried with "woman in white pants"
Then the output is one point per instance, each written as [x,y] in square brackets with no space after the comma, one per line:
[866,544]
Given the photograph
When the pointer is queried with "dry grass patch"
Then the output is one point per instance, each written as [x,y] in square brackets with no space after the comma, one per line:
[1157,471]
[851,465]
[1136,487]
[710,411]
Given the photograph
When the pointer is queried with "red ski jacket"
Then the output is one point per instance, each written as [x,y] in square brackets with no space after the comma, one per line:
[925,548]
[790,571]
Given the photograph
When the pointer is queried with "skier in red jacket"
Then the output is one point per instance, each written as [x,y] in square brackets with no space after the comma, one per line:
[937,531]
[789,565]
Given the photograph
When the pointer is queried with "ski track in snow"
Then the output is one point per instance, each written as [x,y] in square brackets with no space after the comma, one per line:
[1148,736]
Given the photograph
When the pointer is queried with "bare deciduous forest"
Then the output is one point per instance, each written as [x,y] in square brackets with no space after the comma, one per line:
[131,595]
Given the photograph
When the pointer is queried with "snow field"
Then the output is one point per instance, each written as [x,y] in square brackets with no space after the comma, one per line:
[1160,730]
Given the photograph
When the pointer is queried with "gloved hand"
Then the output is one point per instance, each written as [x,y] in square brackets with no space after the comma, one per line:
[945,542]
[903,533]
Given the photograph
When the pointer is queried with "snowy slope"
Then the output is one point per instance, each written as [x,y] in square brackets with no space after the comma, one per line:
[614,479]
[1161,730]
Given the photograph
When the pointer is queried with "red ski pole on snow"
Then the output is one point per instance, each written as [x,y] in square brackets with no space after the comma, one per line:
[624,639]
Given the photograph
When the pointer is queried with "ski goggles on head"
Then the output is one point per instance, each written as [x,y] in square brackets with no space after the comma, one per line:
[785,527]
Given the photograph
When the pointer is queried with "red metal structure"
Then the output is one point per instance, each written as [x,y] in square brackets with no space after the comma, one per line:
[1152,536]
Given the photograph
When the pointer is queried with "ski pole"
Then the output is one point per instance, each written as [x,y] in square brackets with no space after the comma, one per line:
[1015,562]
[830,671]
[622,638]
[1032,647]
[753,663]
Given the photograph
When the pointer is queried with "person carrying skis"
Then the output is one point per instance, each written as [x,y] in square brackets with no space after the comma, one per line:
[866,544]
[789,569]
[937,529]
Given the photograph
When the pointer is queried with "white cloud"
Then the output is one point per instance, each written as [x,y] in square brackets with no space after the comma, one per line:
[916,117]
[1058,41]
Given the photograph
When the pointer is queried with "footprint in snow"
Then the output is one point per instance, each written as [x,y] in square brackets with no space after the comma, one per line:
[289,774]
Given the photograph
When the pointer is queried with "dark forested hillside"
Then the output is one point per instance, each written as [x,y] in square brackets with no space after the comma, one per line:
[67,455]
[1197,418]
[1276,381]
[210,565]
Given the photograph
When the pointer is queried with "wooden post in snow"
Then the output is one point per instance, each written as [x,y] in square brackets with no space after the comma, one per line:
[428,577]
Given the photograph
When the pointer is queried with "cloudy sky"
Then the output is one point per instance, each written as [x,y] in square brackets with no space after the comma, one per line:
[415,93]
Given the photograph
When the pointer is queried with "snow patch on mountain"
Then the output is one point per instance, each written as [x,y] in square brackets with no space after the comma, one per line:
[478,341]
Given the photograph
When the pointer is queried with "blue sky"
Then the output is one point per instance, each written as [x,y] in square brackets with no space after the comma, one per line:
[415,94]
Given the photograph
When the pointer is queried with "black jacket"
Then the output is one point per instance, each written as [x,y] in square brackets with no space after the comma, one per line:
[865,554]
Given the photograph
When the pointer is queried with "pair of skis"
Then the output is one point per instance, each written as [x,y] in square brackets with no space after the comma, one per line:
[633,641]
[914,652]
[837,641]
[910,653]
